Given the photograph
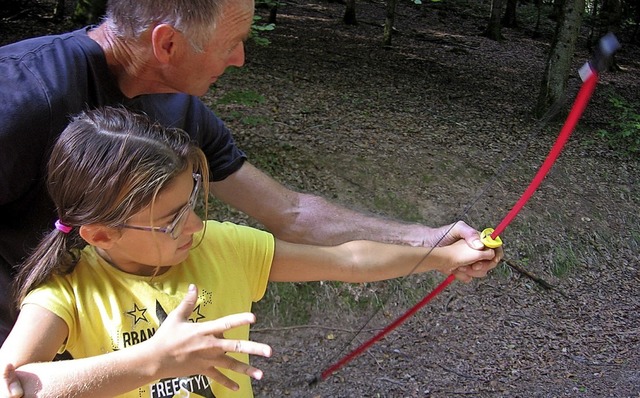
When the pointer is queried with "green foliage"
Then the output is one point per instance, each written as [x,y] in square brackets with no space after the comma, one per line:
[623,133]
[89,11]
[240,97]
[267,3]
[258,29]
[564,261]
[288,303]
[247,120]
[503,270]
[390,202]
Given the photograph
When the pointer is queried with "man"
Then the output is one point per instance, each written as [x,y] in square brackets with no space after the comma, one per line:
[156,56]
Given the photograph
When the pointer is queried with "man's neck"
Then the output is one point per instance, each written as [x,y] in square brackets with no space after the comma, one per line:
[129,63]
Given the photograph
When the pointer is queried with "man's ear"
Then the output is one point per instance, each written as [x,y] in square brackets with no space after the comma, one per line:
[99,235]
[165,41]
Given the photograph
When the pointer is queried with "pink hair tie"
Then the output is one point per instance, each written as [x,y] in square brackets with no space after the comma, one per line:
[62,228]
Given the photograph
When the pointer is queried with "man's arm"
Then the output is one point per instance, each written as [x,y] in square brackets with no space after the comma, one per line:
[302,218]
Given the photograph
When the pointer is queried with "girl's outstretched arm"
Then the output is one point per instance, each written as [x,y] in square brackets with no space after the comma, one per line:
[179,348]
[366,261]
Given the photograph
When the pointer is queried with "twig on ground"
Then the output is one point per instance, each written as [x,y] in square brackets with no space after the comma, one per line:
[546,285]
[283,328]
[466,376]
[393,381]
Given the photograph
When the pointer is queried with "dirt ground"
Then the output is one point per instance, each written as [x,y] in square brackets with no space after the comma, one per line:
[433,129]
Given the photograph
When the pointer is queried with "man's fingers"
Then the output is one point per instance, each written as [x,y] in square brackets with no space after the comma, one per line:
[470,235]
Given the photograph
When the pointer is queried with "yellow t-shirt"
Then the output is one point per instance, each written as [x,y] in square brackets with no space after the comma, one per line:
[107,309]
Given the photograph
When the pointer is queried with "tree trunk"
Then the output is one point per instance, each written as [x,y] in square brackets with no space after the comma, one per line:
[273,13]
[509,19]
[554,80]
[594,22]
[350,13]
[536,32]
[611,16]
[635,32]
[389,22]
[58,12]
[557,9]
[494,29]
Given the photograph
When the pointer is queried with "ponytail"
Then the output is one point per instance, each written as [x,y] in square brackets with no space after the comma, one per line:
[57,253]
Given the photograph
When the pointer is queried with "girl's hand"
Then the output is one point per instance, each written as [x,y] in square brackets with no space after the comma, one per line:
[10,385]
[467,263]
[187,348]
[479,269]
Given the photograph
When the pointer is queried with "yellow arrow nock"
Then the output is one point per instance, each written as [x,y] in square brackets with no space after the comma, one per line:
[488,241]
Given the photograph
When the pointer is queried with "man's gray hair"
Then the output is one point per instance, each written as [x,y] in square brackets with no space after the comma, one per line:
[196,19]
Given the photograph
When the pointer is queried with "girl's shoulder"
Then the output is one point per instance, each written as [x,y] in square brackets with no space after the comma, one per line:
[225,231]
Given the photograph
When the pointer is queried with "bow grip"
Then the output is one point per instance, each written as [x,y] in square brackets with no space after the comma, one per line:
[488,241]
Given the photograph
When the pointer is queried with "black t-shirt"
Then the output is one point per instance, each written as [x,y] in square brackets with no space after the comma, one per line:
[43,83]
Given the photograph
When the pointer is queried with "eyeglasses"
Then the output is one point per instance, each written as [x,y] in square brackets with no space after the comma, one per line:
[174,229]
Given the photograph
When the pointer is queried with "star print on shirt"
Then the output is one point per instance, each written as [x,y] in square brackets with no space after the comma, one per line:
[196,315]
[138,314]
[206,297]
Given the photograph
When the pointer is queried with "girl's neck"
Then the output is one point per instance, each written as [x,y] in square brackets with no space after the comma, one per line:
[140,270]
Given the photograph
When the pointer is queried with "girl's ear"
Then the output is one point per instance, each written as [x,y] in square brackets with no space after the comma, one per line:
[99,235]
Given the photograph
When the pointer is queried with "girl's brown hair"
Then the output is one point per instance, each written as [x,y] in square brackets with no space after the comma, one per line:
[107,165]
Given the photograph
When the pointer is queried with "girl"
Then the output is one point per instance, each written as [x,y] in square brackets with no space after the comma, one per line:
[114,282]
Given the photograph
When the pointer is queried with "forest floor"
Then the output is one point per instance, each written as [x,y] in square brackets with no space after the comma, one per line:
[436,128]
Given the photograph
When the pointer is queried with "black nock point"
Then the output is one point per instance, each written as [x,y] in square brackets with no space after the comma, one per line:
[315,381]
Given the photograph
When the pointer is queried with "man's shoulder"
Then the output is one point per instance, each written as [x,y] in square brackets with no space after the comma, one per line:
[43,45]
[46,60]
[48,78]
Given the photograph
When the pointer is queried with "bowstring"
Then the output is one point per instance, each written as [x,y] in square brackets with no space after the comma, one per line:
[542,122]
[607,46]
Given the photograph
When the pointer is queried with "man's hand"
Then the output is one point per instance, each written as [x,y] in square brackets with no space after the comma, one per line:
[448,234]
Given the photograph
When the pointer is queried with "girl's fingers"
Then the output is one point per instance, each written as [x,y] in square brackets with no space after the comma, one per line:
[218,377]
[245,347]
[220,325]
